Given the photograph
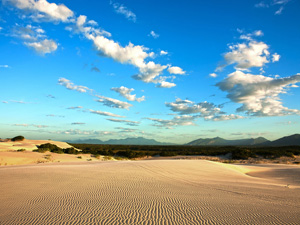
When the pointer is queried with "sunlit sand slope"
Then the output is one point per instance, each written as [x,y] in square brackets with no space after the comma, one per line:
[143,192]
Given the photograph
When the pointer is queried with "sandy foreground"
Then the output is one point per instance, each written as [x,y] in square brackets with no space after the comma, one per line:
[149,192]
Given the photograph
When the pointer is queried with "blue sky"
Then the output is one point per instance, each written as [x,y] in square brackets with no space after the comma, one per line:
[173,71]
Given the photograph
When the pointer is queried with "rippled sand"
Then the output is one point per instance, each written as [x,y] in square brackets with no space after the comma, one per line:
[144,192]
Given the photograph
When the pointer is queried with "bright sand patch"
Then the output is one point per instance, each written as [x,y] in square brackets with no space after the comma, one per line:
[142,192]
[28,157]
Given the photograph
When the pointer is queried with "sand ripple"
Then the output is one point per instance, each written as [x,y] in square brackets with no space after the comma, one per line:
[142,192]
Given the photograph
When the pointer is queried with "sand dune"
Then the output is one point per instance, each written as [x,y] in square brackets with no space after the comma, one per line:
[144,192]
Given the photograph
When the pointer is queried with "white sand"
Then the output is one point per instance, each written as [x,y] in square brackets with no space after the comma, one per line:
[144,192]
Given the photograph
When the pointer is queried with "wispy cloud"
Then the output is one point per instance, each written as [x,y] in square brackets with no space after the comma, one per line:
[127,122]
[102,113]
[78,123]
[273,3]
[4,66]
[113,103]
[153,34]
[31,125]
[123,10]
[34,37]
[75,107]
[71,86]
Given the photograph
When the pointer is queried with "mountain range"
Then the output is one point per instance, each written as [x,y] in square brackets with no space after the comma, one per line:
[260,141]
[217,141]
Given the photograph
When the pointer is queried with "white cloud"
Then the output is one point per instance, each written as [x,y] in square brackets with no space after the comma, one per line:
[258,33]
[125,92]
[153,34]
[35,39]
[105,113]
[113,103]
[259,95]
[190,107]
[43,47]
[71,86]
[275,57]
[213,75]
[247,55]
[165,84]
[175,70]
[135,55]
[121,9]
[127,122]
[183,120]
[44,9]
[162,52]
[1,28]
[227,117]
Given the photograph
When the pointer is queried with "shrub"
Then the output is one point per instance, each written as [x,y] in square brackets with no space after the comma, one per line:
[21,150]
[18,138]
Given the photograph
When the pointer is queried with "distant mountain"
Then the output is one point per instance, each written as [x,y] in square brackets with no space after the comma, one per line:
[286,141]
[217,141]
[126,141]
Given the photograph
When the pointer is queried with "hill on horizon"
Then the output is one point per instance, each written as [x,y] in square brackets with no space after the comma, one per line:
[217,141]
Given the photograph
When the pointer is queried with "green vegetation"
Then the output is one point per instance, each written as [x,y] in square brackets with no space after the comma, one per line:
[53,148]
[18,138]
[21,150]
[139,151]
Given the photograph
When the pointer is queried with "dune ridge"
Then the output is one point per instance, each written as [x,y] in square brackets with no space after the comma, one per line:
[142,192]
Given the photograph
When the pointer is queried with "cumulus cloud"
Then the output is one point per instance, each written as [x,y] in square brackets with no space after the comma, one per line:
[175,70]
[113,103]
[105,113]
[247,55]
[42,9]
[71,86]
[127,122]
[258,94]
[126,93]
[43,47]
[275,57]
[153,34]
[121,9]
